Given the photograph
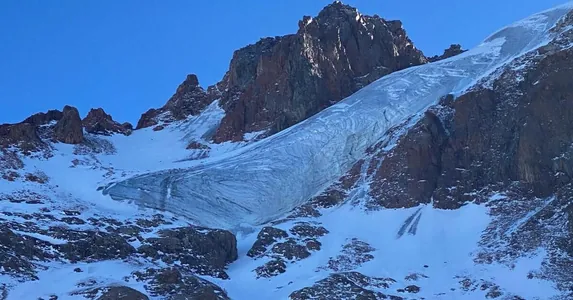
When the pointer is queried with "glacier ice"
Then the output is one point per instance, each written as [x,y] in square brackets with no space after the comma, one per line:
[267,179]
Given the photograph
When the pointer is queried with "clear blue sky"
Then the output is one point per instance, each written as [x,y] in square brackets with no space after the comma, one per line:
[130,55]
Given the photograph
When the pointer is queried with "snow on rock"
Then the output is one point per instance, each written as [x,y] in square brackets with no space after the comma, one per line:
[267,179]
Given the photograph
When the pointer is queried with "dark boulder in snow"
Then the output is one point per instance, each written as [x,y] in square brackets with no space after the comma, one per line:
[189,100]
[203,250]
[173,284]
[266,237]
[278,82]
[347,285]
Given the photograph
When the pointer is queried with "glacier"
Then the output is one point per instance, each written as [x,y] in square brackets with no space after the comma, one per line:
[267,179]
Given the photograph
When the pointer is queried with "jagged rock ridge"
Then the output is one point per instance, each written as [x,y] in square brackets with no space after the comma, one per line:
[281,81]
[37,131]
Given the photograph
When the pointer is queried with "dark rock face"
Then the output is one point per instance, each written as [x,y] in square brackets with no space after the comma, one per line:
[205,251]
[17,253]
[453,50]
[69,129]
[44,118]
[99,122]
[271,268]
[22,135]
[347,285]
[36,132]
[283,246]
[281,81]
[189,100]
[266,237]
[419,158]
[520,130]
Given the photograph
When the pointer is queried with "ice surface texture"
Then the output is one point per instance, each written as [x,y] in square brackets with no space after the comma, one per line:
[267,179]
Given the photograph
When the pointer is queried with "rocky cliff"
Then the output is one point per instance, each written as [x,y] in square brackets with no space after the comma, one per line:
[39,130]
[281,81]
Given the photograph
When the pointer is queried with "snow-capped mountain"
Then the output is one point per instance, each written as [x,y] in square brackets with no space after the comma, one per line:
[442,180]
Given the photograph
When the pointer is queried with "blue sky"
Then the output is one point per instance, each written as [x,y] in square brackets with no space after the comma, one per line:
[130,55]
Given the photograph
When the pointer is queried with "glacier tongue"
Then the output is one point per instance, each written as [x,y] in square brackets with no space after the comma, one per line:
[269,178]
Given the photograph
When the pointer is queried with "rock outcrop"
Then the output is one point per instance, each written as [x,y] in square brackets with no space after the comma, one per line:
[347,285]
[36,132]
[204,251]
[281,81]
[452,51]
[189,100]
[99,122]
[69,129]
[513,127]
[171,283]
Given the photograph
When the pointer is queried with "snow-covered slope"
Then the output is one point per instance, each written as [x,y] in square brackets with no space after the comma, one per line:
[265,180]
[68,239]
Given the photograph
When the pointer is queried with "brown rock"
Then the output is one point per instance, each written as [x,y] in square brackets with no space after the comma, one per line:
[189,100]
[69,128]
[44,118]
[281,81]
[453,50]
[22,135]
[517,132]
[99,122]
[266,237]
[409,178]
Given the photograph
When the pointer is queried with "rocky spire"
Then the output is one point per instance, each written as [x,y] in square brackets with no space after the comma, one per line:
[189,99]
[281,81]
[99,122]
[69,128]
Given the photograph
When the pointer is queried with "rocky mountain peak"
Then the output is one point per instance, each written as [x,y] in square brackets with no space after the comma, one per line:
[453,50]
[69,128]
[189,99]
[337,10]
[98,121]
[280,81]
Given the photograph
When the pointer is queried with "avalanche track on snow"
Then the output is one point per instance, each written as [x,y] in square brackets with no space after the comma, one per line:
[267,179]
